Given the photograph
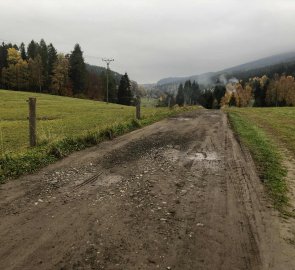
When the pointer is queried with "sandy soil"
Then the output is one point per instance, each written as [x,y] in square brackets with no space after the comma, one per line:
[179,194]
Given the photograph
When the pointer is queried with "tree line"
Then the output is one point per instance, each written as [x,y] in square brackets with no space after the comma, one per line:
[261,92]
[40,68]
[255,92]
[191,93]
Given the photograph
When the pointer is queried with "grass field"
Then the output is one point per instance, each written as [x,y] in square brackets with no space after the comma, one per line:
[267,132]
[58,117]
[63,125]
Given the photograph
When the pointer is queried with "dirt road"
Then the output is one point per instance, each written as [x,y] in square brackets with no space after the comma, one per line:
[179,194]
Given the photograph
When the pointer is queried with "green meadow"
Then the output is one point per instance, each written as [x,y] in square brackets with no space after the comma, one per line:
[64,125]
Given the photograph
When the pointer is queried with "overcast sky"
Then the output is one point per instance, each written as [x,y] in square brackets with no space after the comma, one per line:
[152,39]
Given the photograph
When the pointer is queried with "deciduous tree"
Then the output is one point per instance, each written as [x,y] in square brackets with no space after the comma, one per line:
[60,78]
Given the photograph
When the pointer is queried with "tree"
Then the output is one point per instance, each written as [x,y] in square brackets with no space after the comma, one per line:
[23,51]
[180,95]
[218,92]
[195,93]
[36,74]
[243,96]
[3,56]
[207,99]
[232,101]
[33,49]
[52,58]
[43,51]
[60,78]
[187,91]
[77,70]
[95,86]
[15,76]
[225,99]
[124,91]
[13,56]
[9,77]
[22,71]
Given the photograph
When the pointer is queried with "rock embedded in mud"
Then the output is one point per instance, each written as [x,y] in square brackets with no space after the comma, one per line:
[183,192]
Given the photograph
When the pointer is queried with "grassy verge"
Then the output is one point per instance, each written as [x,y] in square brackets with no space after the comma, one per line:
[266,156]
[14,165]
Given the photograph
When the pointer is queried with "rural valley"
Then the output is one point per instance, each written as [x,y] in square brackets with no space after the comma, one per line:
[146,135]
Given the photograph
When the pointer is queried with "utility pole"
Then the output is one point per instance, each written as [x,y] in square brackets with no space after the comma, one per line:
[108,61]
[32,121]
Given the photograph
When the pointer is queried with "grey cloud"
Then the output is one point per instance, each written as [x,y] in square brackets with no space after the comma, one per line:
[151,39]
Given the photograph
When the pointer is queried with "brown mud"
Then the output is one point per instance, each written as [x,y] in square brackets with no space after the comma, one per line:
[179,194]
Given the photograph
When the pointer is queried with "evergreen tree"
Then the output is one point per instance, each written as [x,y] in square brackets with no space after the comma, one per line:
[43,51]
[196,92]
[219,92]
[77,70]
[187,90]
[52,58]
[124,91]
[3,55]
[4,63]
[180,95]
[33,50]
[207,99]
[23,51]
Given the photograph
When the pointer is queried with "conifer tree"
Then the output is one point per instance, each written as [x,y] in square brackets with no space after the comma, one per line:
[124,91]
[180,95]
[23,51]
[77,70]
[187,91]
[33,50]
[52,58]
[43,51]
[195,92]
[219,92]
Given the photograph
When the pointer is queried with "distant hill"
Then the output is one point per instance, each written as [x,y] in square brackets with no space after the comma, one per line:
[268,65]
[267,61]
[203,78]
[99,70]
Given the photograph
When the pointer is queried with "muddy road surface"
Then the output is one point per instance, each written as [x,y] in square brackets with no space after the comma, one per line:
[179,194]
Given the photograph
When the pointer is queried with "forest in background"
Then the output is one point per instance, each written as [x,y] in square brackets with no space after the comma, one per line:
[278,91]
[41,68]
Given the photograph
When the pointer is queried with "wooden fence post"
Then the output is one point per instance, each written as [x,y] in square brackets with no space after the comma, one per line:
[138,108]
[32,121]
